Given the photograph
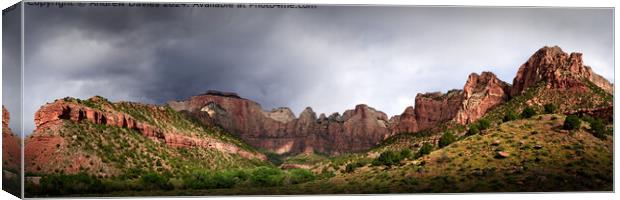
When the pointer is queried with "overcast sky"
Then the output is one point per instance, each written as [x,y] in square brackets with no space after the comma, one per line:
[330,57]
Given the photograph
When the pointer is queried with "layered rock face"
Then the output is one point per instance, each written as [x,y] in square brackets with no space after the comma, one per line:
[559,69]
[480,94]
[434,108]
[356,130]
[51,115]
[279,130]
[10,143]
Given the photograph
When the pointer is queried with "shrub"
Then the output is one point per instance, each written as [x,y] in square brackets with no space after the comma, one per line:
[571,122]
[597,128]
[274,158]
[473,129]
[301,176]
[446,139]
[199,180]
[387,158]
[154,181]
[267,176]
[405,153]
[484,124]
[354,165]
[550,108]
[509,116]
[424,150]
[219,179]
[528,112]
[61,184]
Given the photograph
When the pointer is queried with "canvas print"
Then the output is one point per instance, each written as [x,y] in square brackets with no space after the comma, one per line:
[205,99]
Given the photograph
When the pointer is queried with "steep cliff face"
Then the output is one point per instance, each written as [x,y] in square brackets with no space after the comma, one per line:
[560,71]
[52,114]
[480,94]
[10,144]
[279,131]
[434,108]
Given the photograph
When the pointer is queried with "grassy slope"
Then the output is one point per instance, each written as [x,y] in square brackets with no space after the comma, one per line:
[542,158]
[127,152]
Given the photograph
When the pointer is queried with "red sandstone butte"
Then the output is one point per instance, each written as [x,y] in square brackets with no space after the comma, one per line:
[52,113]
[559,69]
[278,130]
[10,143]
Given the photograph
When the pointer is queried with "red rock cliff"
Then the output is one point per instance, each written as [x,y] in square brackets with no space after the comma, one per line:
[279,131]
[480,94]
[51,114]
[10,143]
[559,69]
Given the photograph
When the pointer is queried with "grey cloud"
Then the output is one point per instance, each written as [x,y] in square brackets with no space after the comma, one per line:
[330,58]
[11,67]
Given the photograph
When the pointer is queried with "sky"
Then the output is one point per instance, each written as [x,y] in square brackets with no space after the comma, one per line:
[11,67]
[330,58]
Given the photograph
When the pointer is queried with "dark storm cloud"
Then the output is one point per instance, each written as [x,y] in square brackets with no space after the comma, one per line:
[330,58]
[11,67]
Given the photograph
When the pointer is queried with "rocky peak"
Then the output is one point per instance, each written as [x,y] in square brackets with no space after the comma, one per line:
[434,108]
[335,117]
[5,117]
[480,94]
[559,69]
[308,115]
[281,114]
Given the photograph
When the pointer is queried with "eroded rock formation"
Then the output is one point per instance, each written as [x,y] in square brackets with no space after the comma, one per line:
[10,143]
[51,114]
[279,130]
[559,69]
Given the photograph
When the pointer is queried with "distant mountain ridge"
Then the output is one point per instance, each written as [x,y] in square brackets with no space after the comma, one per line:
[281,132]
[222,129]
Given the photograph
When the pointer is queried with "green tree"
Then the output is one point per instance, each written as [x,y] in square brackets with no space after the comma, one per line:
[446,139]
[598,128]
[528,112]
[387,158]
[267,176]
[473,129]
[484,124]
[154,181]
[571,122]
[509,116]
[424,150]
[301,176]
[405,153]
[550,108]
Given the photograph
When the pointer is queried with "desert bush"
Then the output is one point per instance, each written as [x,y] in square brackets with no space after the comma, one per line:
[218,179]
[571,122]
[62,184]
[597,128]
[509,116]
[297,176]
[484,124]
[267,176]
[446,139]
[387,158]
[405,153]
[424,150]
[154,181]
[473,130]
[274,158]
[528,112]
[550,108]
[354,165]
